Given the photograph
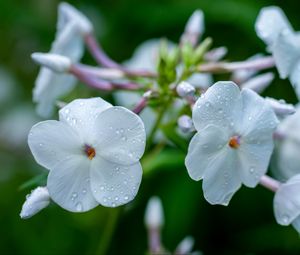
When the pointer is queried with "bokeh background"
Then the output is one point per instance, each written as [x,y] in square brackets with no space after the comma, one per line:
[246,226]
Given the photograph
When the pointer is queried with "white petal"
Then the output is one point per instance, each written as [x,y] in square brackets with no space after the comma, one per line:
[204,147]
[219,106]
[295,79]
[286,53]
[49,87]
[259,120]
[120,135]
[270,22]
[113,184]
[81,114]
[201,80]
[221,179]
[254,161]
[52,142]
[296,224]
[69,42]
[69,184]
[287,201]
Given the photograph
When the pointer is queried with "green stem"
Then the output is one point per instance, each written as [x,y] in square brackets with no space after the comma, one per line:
[157,123]
[109,230]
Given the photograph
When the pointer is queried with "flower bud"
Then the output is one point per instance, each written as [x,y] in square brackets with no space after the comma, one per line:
[287,203]
[72,14]
[35,202]
[185,124]
[184,89]
[185,246]
[55,62]
[216,54]
[194,28]
[154,216]
[259,82]
[280,107]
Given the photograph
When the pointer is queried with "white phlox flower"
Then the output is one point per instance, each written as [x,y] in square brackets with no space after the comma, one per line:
[36,201]
[287,203]
[69,42]
[286,160]
[233,143]
[282,42]
[92,152]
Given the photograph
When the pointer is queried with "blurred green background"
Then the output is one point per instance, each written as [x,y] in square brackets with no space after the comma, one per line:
[246,226]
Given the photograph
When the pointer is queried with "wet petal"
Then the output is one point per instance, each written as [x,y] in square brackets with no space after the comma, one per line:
[265,21]
[204,147]
[52,142]
[221,179]
[69,184]
[219,106]
[113,184]
[121,135]
[81,114]
[287,201]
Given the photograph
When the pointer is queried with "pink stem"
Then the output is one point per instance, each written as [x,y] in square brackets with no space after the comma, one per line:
[269,183]
[103,60]
[256,64]
[140,105]
[100,83]
[154,241]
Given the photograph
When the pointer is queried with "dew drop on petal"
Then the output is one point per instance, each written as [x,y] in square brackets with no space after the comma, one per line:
[79,207]
[285,218]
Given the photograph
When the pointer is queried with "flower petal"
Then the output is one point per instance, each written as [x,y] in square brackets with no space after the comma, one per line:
[219,106]
[203,149]
[295,79]
[254,161]
[286,53]
[265,21]
[80,114]
[221,179]
[49,87]
[287,201]
[113,184]
[296,224]
[69,184]
[259,120]
[52,142]
[120,135]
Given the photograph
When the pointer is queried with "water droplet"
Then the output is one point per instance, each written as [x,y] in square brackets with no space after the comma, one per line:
[251,170]
[40,144]
[126,197]
[79,207]
[250,118]
[113,204]
[116,198]
[84,191]
[207,104]
[285,218]
[67,111]
[101,187]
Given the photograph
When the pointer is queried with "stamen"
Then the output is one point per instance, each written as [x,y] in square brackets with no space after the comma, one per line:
[89,151]
[234,142]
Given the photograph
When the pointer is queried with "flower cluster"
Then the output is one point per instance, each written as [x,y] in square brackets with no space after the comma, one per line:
[226,128]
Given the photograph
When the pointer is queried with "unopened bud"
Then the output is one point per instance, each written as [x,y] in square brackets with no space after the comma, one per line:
[280,107]
[72,14]
[259,82]
[185,246]
[35,202]
[55,62]
[154,216]
[194,28]
[216,54]
[184,89]
[185,124]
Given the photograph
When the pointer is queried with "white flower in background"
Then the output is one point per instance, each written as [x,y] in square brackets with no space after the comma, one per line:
[287,203]
[36,201]
[280,107]
[154,215]
[72,26]
[92,153]
[274,29]
[270,23]
[234,141]
[286,160]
